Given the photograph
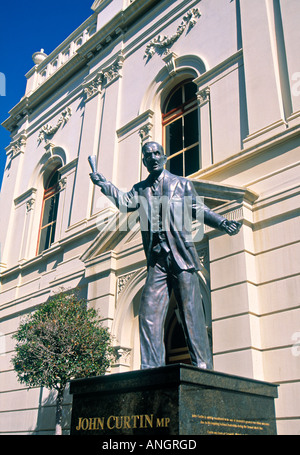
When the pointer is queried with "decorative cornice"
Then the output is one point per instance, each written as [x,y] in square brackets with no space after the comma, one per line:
[162,44]
[25,197]
[96,43]
[223,192]
[138,122]
[48,131]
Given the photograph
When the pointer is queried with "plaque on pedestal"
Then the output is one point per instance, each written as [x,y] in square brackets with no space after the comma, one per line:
[172,400]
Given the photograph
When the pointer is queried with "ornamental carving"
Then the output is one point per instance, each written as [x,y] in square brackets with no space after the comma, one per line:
[48,131]
[19,145]
[162,44]
[170,61]
[122,280]
[145,131]
[93,87]
[113,72]
[104,77]
[62,183]
[203,96]
[123,355]
[204,258]
[30,204]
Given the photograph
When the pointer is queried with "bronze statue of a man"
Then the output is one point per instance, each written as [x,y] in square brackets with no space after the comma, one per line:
[172,260]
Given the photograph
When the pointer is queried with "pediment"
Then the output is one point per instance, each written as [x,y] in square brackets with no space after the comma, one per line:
[116,234]
[216,194]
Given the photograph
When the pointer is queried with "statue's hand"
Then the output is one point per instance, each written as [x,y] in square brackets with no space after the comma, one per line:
[97,178]
[231,227]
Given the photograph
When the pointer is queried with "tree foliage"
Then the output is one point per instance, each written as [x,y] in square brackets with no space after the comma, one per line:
[62,340]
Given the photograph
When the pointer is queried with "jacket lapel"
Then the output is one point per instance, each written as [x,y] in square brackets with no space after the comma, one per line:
[169,184]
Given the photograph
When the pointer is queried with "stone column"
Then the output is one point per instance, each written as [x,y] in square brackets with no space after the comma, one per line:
[203,96]
[89,146]
[11,183]
[108,144]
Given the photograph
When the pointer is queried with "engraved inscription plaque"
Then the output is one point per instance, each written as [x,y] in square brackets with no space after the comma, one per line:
[172,400]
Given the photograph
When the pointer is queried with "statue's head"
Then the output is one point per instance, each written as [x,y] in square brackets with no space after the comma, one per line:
[154,157]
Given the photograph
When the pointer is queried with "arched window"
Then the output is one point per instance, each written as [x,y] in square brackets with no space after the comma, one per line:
[49,212]
[175,343]
[181,130]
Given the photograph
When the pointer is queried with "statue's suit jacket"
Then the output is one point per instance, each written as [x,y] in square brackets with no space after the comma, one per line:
[182,198]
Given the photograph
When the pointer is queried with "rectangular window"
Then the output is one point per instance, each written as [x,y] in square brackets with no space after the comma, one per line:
[49,213]
[47,231]
[181,130]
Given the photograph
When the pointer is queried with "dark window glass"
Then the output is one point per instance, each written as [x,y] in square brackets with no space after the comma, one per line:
[191,160]
[181,130]
[49,214]
[178,338]
[53,180]
[189,91]
[50,209]
[175,100]
[191,128]
[176,347]
[174,137]
[175,164]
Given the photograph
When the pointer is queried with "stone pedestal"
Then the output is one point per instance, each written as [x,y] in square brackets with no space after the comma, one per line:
[172,400]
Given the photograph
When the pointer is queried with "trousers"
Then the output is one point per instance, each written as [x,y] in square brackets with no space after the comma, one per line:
[163,276]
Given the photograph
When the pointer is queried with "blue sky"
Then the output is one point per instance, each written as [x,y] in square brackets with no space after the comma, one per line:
[25,28]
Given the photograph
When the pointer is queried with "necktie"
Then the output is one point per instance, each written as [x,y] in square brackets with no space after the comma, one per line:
[154,187]
[159,237]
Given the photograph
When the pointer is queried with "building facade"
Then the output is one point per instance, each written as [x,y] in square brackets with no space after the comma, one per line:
[217,82]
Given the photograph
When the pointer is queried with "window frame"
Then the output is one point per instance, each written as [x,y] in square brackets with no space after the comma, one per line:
[178,354]
[49,193]
[181,111]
